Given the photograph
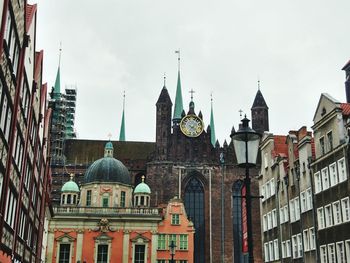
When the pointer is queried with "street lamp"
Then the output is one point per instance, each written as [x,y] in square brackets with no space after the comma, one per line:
[172,247]
[246,143]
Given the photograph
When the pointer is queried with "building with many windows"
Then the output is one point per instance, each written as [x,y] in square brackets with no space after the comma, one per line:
[24,125]
[106,220]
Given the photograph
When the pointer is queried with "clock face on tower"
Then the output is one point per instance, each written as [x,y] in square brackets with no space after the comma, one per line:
[191,126]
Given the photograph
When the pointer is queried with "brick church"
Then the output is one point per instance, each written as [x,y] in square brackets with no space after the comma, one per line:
[184,161]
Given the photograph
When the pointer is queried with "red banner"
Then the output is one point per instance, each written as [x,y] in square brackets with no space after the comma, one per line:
[244,221]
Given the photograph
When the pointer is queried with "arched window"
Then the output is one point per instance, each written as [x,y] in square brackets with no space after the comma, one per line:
[237,222]
[194,203]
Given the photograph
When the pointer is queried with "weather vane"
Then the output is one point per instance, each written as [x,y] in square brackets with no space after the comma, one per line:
[178,58]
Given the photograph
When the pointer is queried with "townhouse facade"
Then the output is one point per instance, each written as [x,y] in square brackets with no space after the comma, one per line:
[24,125]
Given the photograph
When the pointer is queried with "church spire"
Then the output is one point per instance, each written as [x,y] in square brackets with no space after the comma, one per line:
[122,127]
[178,108]
[57,87]
[212,126]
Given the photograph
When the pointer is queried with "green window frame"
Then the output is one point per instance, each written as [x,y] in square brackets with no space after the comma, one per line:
[161,241]
[88,198]
[183,242]
[105,201]
[175,219]
[172,237]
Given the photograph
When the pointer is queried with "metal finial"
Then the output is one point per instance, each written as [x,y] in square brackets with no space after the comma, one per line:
[258,84]
[109,135]
[164,79]
[191,91]
[240,113]
[143,178]
[123,100]
[178,58]
[59,58]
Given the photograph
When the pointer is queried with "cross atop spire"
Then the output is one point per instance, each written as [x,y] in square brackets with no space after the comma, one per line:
[240,113]
[191,91]
[109,135]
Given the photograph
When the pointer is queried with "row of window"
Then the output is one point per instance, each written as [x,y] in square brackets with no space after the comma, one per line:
[334,213]
[335,252]
[164,240]
[330,176]
[268,189]
[328,146]
[270,220]
[271,251]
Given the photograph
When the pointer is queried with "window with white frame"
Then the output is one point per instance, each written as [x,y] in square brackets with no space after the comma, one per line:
[306,240]
[286,217]
[347,250]
[337,212]
[288,248]
[266,252]
[320,218]
[331,253]
[318,182]
[295,246]
[272,257]
[284,249]
[309,198]
[300,246]
[265,223]
[297,209]
[325,178]
[272,186]
[11,209]
[342,170]
[269,220]
[323,254]
[276,251]
[303,201]
[345,209]
[274,218]
[333,175]
[281,215]
[312,238]
[340,252]
[292,210]
[328,215]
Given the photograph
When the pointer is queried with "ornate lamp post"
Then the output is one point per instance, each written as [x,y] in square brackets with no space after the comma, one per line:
[246,142]
[172,247]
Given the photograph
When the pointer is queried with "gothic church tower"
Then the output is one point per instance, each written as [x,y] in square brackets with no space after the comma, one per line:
[260,113]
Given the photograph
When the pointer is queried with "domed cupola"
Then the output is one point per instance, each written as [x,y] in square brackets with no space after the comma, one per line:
[70,192]
[142,194]
[108,169]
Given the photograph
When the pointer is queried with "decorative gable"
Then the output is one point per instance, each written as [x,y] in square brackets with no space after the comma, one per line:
[140,239]
[65,238]
[326,104]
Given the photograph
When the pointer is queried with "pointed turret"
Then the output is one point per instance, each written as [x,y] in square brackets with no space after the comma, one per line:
[260,113]
[122,126]
[57,87]
[178,107]
[212,126]
[163,123]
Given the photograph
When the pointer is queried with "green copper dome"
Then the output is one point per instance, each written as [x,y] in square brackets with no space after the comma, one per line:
[142,188]
[70,186]
[109,145]
[108,169]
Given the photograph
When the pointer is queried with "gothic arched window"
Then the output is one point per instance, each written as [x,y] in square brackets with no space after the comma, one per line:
[194,203]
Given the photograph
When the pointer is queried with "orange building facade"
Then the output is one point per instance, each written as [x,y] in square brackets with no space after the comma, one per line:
[105,220]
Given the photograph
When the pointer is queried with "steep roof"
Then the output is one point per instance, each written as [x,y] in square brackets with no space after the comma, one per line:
[164,97]
[30,11]
[93,149]
[178,108]
[259,100]
[345,108]
[38,64]
[280,146]
[346,65]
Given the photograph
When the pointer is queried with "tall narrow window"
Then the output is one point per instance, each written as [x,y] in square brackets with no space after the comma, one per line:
[64,253]
[328,215]
[194,203]
[139,254]
[322,149]
[330,141]
[88,198]
[161,242]
[345,209]
[325,178]
[342,170]
[320,217]
[331,253]
[102,254]
[183,242]
[318,182]
[323,254]
[333,174]
[337,213]
[340,252]
[122,199]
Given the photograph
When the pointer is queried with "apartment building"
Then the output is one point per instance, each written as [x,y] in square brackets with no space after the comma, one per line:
[24,122]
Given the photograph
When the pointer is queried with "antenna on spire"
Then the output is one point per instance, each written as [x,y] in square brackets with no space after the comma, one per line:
[191,91]
[258,83]
[164,79]
[124,99]
[178,58]
[59,57]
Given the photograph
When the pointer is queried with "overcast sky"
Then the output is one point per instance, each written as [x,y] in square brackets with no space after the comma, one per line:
[296,48]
